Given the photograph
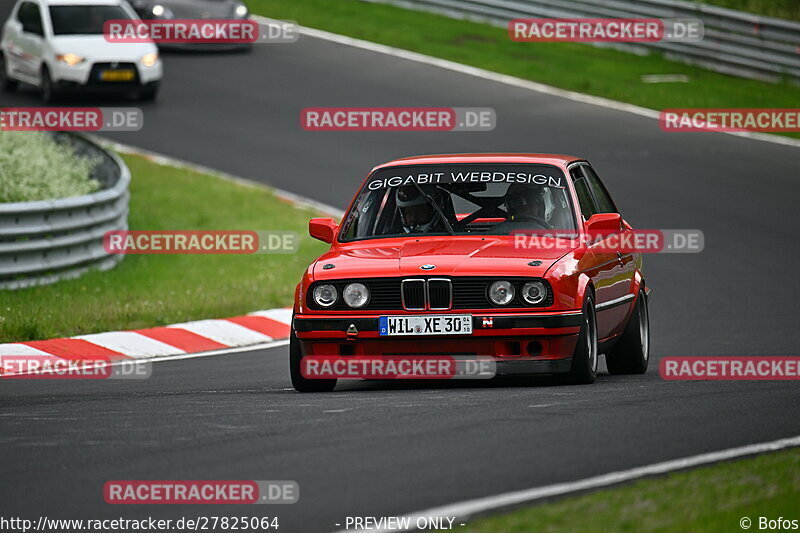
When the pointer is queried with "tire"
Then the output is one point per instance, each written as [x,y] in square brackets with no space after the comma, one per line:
[585,357]
[48,91]
[6,84]
[148,95]
[631,353]
[300,383]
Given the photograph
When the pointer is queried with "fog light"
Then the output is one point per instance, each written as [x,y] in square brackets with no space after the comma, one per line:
[534,348]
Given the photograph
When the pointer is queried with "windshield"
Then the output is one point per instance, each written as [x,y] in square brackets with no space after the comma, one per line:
[84,20]
[482,199]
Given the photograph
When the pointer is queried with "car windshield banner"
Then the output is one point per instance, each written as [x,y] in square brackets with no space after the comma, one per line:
[541,175]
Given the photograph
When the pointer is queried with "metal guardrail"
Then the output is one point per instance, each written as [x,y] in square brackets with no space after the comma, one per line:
[736,43]
[46,241]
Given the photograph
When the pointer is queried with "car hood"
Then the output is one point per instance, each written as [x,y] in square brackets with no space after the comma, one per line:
[96,49]
[458,256]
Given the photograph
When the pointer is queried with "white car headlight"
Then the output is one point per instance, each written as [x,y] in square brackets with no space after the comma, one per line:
[70,59]
[160,11]
[501,292]
[148,60]
[356,295]
[534,292]
[325,295]
[241,11]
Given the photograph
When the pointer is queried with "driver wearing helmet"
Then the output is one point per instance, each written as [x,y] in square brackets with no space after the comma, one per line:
[416,213]
[526,204]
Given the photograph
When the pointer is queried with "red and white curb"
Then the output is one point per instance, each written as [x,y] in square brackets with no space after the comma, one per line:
[201,336]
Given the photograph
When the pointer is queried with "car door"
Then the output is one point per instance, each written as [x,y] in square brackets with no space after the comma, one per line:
[10,43]
[29,42]
[612,272]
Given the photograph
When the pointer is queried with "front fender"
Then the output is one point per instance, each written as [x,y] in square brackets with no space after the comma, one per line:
[584,286]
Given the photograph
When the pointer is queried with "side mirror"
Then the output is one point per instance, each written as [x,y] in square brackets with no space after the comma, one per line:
[323,229]
[604,223]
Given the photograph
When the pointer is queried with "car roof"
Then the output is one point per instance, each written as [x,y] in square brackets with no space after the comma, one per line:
[547,159]
[80,2]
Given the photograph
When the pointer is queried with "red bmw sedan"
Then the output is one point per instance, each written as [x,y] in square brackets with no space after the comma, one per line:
[493,256]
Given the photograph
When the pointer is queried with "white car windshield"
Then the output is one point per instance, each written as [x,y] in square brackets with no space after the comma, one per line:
[84,19]
[487,199]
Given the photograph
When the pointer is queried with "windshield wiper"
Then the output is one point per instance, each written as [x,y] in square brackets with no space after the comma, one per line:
[435,207]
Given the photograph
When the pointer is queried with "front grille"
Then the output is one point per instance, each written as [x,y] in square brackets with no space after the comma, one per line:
[440,294]
[413,294]
[388,294]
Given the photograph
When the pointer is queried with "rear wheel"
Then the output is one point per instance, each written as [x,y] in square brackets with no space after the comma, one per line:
[631,353]
[6,83]
[300,383]
[584,360]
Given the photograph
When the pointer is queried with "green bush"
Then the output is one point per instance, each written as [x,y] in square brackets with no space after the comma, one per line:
[34,166]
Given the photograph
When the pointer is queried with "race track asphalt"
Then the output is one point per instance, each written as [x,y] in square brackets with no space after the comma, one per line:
[378,449]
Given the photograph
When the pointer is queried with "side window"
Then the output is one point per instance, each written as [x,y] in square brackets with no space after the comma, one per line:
[584,196]
[24,12]
[604,202]
[30,18]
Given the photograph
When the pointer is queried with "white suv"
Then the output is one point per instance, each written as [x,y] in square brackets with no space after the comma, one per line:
[58,46]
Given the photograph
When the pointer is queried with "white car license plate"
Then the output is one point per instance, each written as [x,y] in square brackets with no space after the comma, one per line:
[425,325]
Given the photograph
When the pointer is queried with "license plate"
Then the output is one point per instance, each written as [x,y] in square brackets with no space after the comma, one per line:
[425,325]
[117,75]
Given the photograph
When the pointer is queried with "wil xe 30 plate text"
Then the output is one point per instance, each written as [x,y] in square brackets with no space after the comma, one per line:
[425,325]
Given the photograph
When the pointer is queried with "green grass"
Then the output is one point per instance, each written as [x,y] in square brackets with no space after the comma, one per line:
[152,290]
[578,67]
[788,9]
[710,500]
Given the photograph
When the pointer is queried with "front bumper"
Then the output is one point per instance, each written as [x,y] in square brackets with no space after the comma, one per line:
[83,76]
[540,343]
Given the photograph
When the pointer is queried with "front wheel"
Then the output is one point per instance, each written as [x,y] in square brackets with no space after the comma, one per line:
[584,360]
[300,383]
[48,89]
[150,94]
[631,353]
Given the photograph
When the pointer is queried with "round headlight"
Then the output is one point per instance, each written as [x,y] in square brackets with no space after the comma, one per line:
[241,11]
[501,292]
[534,292]
[158,10]
[325,295]
[356,295]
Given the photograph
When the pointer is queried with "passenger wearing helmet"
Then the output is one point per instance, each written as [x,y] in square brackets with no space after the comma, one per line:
[527,204]
[527,209]
[416,213]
